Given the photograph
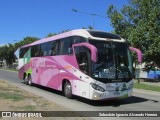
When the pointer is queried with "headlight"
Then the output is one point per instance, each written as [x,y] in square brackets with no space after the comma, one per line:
[97,87]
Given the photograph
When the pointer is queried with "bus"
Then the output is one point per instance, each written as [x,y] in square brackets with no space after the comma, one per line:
[92,64]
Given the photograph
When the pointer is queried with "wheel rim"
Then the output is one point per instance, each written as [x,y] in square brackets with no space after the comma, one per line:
[68,90]
[26,80]
[29,80]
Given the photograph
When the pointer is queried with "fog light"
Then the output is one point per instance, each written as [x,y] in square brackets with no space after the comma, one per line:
[95,96]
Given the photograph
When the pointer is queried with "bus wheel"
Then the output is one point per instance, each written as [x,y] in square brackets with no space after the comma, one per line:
[25,80]
[67,89]
[30,80]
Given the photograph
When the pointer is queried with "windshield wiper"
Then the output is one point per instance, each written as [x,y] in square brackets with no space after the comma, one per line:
[124,72]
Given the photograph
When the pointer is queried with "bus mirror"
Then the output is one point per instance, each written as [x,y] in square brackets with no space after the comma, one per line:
[92,48]
[139,53]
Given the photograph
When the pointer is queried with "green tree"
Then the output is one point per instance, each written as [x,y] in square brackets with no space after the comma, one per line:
[89,27]
[7,51]
[26,40]
[51,34]
[2,53]
[10,57]
[139,23]
[63,31]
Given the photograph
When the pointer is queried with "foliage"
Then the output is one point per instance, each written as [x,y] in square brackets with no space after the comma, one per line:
[89,27]
[53,34]
[147,87]
[25,41]
[139,23]
[9,54]
[7,51]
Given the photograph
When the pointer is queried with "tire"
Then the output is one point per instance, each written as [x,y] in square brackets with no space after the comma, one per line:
[30,80]
[25,80]
[67,90]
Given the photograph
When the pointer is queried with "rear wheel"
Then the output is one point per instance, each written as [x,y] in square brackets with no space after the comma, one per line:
[30,80]
[25,80]
[67,89]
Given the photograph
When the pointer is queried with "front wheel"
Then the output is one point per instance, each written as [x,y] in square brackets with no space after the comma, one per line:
[67,90]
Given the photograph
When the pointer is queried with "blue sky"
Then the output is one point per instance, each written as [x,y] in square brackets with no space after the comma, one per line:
[37,18]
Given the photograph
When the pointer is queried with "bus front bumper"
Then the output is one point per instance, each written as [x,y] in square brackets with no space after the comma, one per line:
[98,95]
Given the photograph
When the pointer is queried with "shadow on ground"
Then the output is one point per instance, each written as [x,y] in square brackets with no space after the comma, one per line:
[114,103]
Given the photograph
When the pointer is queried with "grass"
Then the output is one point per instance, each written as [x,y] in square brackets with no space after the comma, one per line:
[27,108]
[14,98]
[11,69]
[147,87]
[11,96]
[10,93]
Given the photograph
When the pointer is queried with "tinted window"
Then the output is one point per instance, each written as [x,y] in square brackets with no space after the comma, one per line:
[49,48]
[35,51]
[58,47]
[23,52]
[77,39]
[52,48]
[104,35]
[44,49]
[66,46]
[83,58]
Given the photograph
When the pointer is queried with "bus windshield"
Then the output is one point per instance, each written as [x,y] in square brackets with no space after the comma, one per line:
[114,60]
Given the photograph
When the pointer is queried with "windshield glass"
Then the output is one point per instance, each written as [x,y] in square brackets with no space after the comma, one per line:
[114,60]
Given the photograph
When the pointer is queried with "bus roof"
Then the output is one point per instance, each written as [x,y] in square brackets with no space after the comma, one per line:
[92,34]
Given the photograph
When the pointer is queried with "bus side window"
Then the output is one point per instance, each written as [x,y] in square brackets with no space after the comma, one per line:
[66,46]
[52,48]
[43,50]
[48,49]
[57,47]
[21,53]
[78,39]
[35,51]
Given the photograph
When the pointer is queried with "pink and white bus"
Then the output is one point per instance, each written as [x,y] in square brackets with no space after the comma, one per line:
[92,64]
